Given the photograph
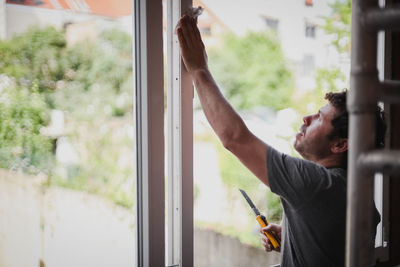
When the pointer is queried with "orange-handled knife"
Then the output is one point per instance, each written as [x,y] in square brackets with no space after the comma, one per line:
[262,221]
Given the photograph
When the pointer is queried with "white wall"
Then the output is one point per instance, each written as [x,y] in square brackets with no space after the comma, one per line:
[67,228]
[214,250]
[2,19]
[293,16]
[61,227]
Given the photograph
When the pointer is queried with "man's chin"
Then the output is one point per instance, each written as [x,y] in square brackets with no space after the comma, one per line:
[296,142]
[297,146]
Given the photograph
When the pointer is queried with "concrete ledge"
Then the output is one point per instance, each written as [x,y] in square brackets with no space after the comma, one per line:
[214,249]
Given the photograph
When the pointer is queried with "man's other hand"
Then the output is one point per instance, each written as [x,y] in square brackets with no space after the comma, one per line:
[277,229]
[192,48]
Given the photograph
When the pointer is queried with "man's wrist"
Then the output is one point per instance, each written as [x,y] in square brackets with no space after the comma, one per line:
[200,74]
[199,71]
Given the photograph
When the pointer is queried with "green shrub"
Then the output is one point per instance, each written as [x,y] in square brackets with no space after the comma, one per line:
[23,113]
[34,56]
[235,175]
[252,71]
[91,83]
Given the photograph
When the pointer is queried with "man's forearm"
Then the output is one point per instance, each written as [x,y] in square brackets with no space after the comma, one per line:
[226,123]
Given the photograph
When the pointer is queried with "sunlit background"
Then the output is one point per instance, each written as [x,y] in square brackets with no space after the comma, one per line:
[274,61]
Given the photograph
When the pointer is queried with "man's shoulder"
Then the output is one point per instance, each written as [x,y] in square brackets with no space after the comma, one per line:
[298,180]
[338,173]
[278,161]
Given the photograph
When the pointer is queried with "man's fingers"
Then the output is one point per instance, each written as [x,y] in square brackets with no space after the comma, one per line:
[183,19]
[186,32]
[190,31]
[263,237]
[195,29]
[181,38]
[267,246]
[272,228]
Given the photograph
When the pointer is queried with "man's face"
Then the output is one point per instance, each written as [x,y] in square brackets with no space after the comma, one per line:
[312,140]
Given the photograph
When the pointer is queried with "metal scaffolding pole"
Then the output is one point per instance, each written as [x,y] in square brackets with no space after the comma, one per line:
[361,104]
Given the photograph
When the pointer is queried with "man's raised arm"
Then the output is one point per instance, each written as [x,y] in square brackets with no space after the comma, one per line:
[226,123]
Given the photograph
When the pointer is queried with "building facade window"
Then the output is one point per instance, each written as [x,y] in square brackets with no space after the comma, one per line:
[310,30]
[272,23]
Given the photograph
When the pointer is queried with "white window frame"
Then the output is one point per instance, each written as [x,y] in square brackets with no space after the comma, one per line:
[180,145]
[149,115]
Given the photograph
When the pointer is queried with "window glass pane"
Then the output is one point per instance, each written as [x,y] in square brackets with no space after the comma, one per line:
[273,79]
[310,30]
[67,134]
[378,198]
[272,23]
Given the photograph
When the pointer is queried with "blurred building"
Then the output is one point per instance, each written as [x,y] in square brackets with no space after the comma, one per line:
[2,19]
[298,24]
[82,19]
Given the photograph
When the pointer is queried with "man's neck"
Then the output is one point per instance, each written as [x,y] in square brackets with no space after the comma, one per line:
[329,162]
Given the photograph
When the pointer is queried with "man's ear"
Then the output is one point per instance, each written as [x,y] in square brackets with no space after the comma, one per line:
[340,145]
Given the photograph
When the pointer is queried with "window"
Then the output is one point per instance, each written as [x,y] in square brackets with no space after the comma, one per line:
[310,30]
[151,243]
[72,132]
[272,23]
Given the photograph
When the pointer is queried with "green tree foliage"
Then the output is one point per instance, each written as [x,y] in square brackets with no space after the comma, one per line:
[23,113]
[31,61]
[92,83]
[327,79]
[235,175]
[62,72]
[34,56]
[100,73]
[338,25]
[252,71]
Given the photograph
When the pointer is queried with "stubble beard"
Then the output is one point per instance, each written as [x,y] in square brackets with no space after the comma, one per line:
[299,148]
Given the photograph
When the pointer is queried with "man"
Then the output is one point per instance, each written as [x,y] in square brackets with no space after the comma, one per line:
[312,190]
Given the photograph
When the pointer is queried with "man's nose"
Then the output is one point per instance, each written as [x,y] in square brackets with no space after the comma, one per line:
[307,119]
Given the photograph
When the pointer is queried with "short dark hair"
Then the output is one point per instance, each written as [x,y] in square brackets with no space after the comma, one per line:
[340,122]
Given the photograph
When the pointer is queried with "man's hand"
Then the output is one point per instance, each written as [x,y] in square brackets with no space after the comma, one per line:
[192,48]
[265,241]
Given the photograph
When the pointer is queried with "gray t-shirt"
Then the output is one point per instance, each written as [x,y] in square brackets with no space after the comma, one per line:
[314,202]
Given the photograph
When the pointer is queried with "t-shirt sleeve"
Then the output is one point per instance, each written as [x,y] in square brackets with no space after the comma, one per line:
[296,180]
